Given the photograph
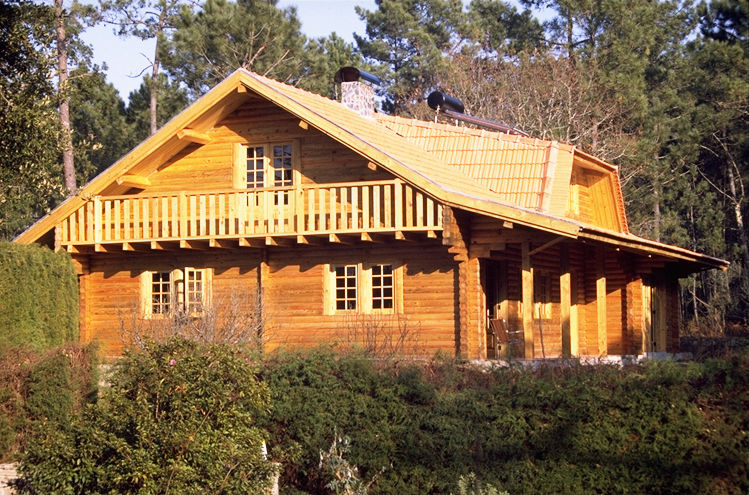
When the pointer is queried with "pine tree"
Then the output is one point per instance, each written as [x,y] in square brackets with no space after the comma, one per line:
[145,19]
[210,43]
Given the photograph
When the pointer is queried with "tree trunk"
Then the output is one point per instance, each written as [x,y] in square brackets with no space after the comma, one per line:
[154,88]
[657,214]
[68,167]
[738,200]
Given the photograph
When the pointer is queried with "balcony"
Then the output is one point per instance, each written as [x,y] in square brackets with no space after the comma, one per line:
[252,217]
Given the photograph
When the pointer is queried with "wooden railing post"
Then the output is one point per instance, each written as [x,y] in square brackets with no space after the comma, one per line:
[97,219]
[182,215]
[398,194]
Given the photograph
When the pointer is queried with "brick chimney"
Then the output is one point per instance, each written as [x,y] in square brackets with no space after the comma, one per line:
[356,94]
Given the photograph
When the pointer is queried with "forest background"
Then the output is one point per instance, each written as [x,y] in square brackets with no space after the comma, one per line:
[659,88]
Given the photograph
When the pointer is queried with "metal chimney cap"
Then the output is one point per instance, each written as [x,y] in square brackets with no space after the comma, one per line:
[351,74]
[439,100]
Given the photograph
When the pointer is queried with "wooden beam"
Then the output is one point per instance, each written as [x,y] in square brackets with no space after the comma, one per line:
[431,234]
[546,245]
[304,125]
[221,243]
[508,225]
[399,235]
[134,181]
[197,245]
[365,237]
[527,283]
[251,242]
[279,241]
[601,301]
[569,336]
[372,166]
[192,136]
[242,89]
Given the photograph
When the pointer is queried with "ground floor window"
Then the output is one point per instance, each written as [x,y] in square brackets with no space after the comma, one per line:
[183,290]
[364,288]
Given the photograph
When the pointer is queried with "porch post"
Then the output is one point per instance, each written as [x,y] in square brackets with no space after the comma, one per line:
[601,300]
[527,283]
[570,337]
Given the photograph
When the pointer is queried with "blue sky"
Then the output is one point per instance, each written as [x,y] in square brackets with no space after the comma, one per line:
[126,58]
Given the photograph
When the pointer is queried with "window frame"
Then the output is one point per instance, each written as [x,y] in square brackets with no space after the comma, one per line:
[364,288]
[268,158]
[178,292]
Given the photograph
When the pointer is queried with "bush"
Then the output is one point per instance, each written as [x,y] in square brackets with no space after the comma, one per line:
[177,417]
[38,297]
[42,387]
[657,428]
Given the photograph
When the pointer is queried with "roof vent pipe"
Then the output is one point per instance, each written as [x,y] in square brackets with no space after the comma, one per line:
[454,108]
[351,74]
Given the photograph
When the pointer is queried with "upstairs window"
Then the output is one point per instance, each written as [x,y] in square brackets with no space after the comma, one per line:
[255,167]
[265,165]
[282,165]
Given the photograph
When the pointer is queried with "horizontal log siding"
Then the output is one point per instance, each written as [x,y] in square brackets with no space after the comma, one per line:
[296,296]
[293,300]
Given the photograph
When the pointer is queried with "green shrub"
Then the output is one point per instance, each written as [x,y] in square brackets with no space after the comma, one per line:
[50,390]
[177,417]
[38,297]
[658,428]
[45,387]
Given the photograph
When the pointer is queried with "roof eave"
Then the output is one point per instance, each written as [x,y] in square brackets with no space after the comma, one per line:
[647,246]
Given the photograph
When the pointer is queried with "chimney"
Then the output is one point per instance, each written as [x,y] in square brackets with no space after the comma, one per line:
[355,93]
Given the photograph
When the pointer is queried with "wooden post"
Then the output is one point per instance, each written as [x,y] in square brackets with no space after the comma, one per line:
[601,300]
[398,199]
[527,283]
[565,300]
[96,224]
[647,317]
[263,275]
[182,215]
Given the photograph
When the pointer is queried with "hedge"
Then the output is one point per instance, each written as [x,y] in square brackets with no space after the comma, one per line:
[38,297]
[659,428]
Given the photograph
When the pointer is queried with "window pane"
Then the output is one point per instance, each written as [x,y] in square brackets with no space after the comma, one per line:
[161,292]
[345,285]
[255,165]
[382,287]
[194,290]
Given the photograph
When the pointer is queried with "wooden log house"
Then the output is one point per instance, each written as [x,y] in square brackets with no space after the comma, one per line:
[337,219]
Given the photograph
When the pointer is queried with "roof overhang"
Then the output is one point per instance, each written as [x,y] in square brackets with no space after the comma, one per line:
[691,261]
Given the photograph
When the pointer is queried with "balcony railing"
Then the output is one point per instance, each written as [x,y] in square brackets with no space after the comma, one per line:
[340,208]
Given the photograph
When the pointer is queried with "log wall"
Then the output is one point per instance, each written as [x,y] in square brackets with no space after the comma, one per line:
[294,295]
[210,167]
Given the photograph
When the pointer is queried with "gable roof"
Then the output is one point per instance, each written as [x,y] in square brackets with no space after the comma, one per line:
[457,166]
